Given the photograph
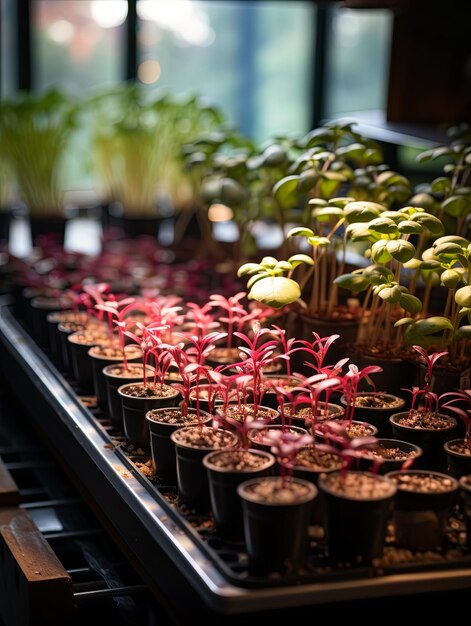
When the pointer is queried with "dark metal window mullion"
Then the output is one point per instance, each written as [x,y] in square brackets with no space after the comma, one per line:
[23,30]
[321,17]
[131,41]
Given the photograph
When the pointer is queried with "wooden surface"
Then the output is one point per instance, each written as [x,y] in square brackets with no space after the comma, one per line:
[9,494]
[35,589]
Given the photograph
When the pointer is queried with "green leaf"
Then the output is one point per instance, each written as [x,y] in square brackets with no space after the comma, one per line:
[325,213]
[307,181]
[390,294]
[321,242]
[379,252]
[354,151]
[285,192]
[401,250]
[463,296]
[353,282]
[413,264]
[463,332]
[427,332]
[457,206]
[461,241]
[274,155]
[409,227]
[269,261]
[410,303]
[248,268]
[447,249]
[362,211]
[253,279]
[300,231]
[341,202]
[441,184]
[383,225]
[450,278]
[404,321]
[283,266]
[432,223]
[297,259]
[275,291]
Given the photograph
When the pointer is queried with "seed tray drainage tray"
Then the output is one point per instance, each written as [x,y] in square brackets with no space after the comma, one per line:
[230,556]
[216,568]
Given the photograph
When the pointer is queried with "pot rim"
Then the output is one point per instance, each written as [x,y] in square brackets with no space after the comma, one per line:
[453,423]
[204,414]
[151,370]
[182,444]
[120,390]
[242,488]
[374,393]
[382,478]
[454,481]
[270,461]
[460,455]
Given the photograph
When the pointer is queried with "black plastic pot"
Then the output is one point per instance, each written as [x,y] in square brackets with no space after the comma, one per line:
[312,474]
[40,309]
[99,362]
[65,347]
[134,226]
[162,446]
[356,527]
[379,417]
[192,477]
[431,441]
[223,482]
[81,364]
[276,534]
[113,382]
[5,220]
[396,375]
[420,517]
[136,430]
[465,493]
[456,464]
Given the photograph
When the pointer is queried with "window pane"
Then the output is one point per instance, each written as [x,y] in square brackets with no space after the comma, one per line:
[252,59]
[357,61]
[77,44]
[8,47]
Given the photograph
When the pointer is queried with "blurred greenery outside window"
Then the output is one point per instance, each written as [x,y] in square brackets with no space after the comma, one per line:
[253,59]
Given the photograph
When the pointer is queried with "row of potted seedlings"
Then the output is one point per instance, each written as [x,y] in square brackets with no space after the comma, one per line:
[215,430]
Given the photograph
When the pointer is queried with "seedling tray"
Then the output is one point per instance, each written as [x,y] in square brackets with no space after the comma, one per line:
[149,518]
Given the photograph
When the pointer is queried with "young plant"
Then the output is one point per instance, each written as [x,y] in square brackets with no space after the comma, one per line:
[463,410]
[429,399]
[256,358]
[285,445]
[147,343]
[351,382]
[338,441]
[234,312]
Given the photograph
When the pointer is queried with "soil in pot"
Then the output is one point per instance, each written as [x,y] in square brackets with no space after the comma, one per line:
[276,514]
[192,443]
[137,399]
[421,507]
[458,457]
[162,422]
[359,505]
[245,413]
[227,469]
[116,375]
[270,382]
[376,408]
[427,430]
[391,454]
[259,440]
[301,414]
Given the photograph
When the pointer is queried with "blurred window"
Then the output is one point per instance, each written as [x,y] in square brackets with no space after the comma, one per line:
[252,59]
